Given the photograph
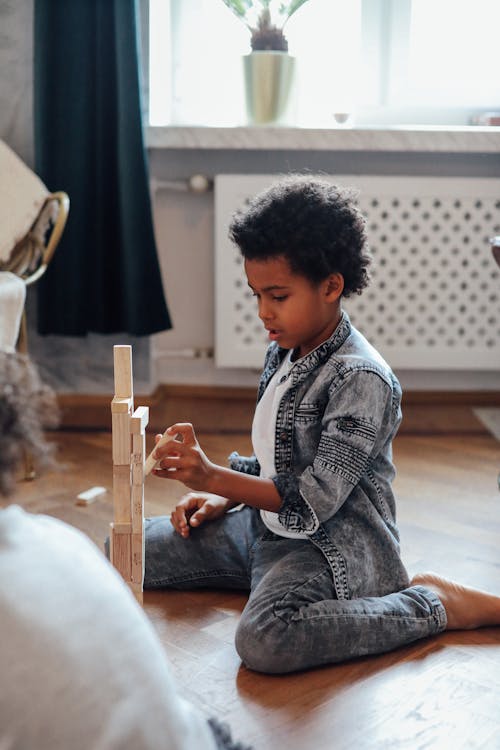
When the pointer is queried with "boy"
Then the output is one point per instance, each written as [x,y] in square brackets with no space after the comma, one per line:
[316,543]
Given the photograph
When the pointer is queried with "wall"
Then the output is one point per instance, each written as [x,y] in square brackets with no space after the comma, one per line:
[184,227]
[16,54]
[68,364]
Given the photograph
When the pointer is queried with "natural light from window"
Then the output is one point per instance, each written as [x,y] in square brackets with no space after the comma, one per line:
[454,53]
[426,62]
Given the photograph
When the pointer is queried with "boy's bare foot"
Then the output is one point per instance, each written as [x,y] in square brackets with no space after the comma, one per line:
[466,608]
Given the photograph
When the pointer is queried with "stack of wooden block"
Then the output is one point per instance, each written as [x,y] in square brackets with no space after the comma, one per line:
[129,445]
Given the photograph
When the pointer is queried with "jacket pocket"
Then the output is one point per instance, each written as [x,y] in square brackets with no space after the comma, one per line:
[308,412]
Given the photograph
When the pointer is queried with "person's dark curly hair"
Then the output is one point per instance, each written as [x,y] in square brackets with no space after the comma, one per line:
[26,406]
[315,225]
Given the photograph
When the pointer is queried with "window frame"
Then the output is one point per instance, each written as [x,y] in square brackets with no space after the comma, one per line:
[384,61]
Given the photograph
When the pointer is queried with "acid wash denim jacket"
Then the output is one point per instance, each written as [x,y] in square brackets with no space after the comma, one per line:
[333,458]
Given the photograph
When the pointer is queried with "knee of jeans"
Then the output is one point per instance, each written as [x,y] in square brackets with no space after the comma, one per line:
[263,647]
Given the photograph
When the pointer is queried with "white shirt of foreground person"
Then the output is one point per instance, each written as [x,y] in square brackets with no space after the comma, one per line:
[81,666]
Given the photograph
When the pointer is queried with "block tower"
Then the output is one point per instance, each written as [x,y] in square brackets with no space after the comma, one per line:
[129,445]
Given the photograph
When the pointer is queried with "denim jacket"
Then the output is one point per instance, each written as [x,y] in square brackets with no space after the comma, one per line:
[333,458]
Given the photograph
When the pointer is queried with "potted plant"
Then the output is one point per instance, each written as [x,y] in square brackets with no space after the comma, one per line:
[268,69]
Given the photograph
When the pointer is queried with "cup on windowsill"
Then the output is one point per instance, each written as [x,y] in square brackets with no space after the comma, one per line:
[343,119]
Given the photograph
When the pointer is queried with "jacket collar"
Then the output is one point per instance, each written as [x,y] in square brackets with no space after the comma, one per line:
[308,363]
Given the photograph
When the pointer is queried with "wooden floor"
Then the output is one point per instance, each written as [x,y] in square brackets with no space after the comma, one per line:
[439,693]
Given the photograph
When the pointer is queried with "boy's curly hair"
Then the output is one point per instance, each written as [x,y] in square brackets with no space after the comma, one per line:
[315,225]
[26,406]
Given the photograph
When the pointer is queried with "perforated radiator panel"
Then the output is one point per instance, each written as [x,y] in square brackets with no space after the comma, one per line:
[434,299]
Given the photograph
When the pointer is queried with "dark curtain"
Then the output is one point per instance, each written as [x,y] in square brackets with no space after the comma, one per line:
[105,275]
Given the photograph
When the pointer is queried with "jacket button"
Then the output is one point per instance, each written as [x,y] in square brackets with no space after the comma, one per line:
[283,436]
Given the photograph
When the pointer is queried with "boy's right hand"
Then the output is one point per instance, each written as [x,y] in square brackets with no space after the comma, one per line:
[195,508]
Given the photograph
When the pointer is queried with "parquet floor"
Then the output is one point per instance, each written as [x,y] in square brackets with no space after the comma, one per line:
[439,693]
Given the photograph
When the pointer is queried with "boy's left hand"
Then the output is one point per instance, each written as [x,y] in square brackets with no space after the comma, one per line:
[184,459]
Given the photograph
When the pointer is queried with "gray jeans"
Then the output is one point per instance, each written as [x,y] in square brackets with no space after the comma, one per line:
[292,619]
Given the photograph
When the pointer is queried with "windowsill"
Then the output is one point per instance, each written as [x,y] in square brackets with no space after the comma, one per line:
[464,139]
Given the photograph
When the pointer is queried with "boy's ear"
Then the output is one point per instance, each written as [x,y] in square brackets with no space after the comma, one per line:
[334,286]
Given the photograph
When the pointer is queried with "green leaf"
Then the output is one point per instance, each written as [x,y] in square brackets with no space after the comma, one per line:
[239,7]
[262,9]
[294,6]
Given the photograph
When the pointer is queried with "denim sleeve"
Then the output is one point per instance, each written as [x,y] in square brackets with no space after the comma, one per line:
[245,464]
[361,416]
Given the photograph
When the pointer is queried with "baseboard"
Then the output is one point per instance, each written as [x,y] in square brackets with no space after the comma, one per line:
[443,412]
[210,408]
[225,410]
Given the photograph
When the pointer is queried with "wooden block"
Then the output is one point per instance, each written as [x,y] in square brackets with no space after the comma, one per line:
[122,508]
[137,507]
[137,471]
[139,420]
[122,528]
[111,548]
[122,442]
[137,590]
[137,574]
[121,405]
[122,356]
[138,452]
[90,496]
[122,554]
[150,461]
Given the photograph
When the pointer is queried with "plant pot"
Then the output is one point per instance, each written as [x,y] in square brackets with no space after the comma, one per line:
[269,77]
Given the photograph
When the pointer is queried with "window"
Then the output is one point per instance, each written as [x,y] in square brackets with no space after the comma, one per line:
[387,62]
[429,61]
[452,55]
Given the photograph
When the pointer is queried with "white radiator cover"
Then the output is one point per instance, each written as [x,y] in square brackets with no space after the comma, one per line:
[434,299]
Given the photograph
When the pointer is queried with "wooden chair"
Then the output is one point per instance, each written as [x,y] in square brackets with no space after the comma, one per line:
[32,221]
[31,255]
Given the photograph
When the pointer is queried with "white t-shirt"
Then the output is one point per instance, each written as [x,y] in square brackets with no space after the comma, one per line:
[81,666]
[263,437]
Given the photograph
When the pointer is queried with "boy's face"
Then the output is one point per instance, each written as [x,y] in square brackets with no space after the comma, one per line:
[297,313]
